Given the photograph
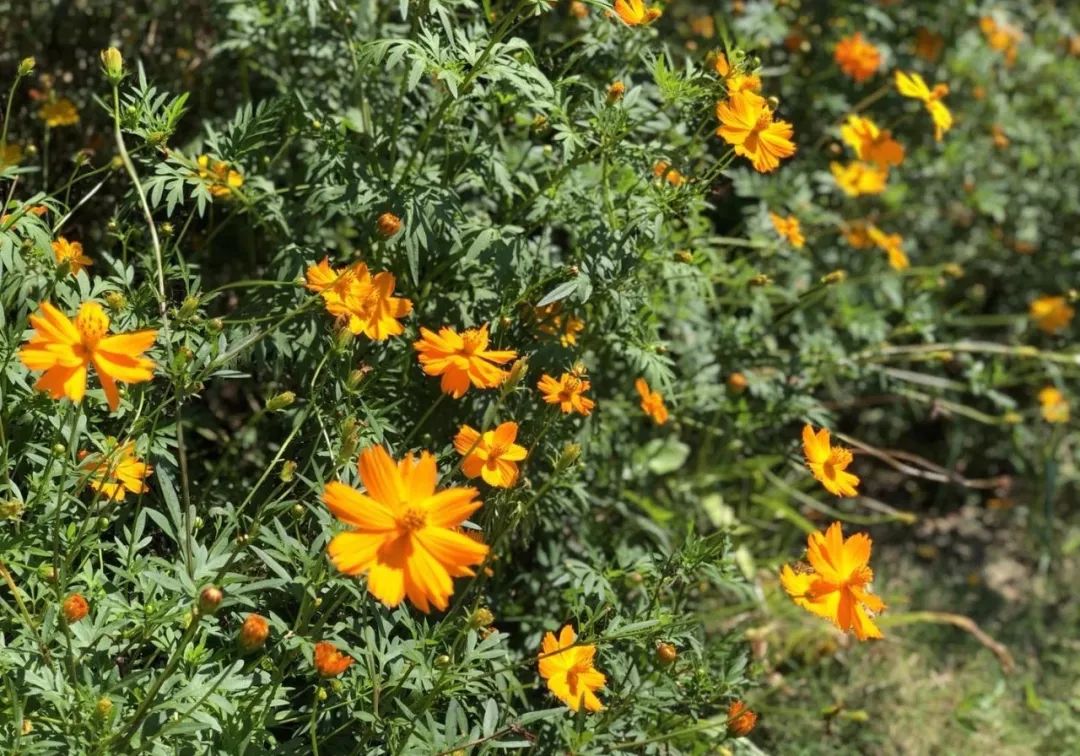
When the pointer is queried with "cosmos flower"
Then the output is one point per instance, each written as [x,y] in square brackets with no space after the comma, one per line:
[857,178]
[70,253]
[220,177]
[1055,407]
[871,143]
[828,463]
[857,58]
[652,402]
[1051,314]
[59,112]
[913,86]
[65,349]
[552,320]
[740,719]
[569,671]
[117,473]
[328,661]
[462,359]
[491,455]
[404,533]
[747,125]
[568,391]
[836,585]
[365,302]
[635,12]
[788,228]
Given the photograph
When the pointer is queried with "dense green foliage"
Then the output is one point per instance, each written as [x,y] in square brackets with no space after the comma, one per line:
[521,180]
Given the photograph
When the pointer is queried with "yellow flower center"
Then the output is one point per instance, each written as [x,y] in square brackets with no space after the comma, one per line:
[92,323]
[473,342]
[412,520]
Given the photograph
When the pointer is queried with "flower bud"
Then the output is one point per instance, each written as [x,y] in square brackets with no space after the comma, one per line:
[75,608]
[288,471]
[388,225]
[516,374]
[47,572]
[442,660]
[835,277]
[568,456]
[215,326]
[59,449]
[666,653]
[112,63]
[615,92]
[167,229]
[27,726]
[741,720]
[253,633]
[736,383]
[760,280]
[322,695]
[210,599]
[11,510]
[115,301]
[188,308]
[482,617]
[281,401]
[356,377]
[104,707]
[684,256]
[26,67]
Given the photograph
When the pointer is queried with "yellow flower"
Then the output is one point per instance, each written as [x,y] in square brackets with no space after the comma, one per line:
[568,392]
[10,155]
[64,350]
[856,178]
[788,228]
[1051,314]
[837,586]
[462,359]
[328,661]
[363,301]
[70,253]
[747,124]
[551,319]
[221,178]
[662,170]
[404,533]
[857,234]
[652,402]
[635,12]
[892,245]
[857,58]
[117,473]
[828,463]
[1055,407]
[61,112]
[871,143]
[913,86]
[491,455]
[569,671]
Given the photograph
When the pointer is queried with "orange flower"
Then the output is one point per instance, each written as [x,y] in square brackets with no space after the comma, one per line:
[61,112]
[652,402]
[404,532]
[492,455]
[788,228]
[569,671]
[219,176]
[64,350]
[913,85]
[748,125]
[75,608]
[1055,407]
[10,155]
[1001,139]
[871,143]
[70,253]
[635,12]
[567,392]
[857,58]
[388,224]
[253,633]
[1004,38]
[836,586]
[856,178]
[1051,314]
[734,81]
[892,245]
[329,661]
[828,463]
[365,302]
[462,359]
[117,473]
[553,321]
[662,170]
[857,234]
[740,719]
[928,45]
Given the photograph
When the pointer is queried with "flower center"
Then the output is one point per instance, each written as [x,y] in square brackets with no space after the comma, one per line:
[412,520]
[763,120]
[92,323]
[473,342]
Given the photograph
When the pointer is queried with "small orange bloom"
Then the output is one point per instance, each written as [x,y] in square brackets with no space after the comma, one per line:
[1004,38]
[253,633]
[569,671]
[404,533]
[856,178]
[857,58]
[568,392]
[1051,314]
[913,86]
[837,585]
[635,12]
[75,608]
[928,45]
[652,402]
[553,321]
[871,143]
[1055,407]
[491,455]
[662,170]
[388,224]
[71,254]
[892,245]
[329,662]
[117,473]
[64,350]
[221,179]
[1001,139]
[741,719]
[828,463]
[365,302]
[857,233]
[60,112]
[788,228]
[747,125]
[462,359]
